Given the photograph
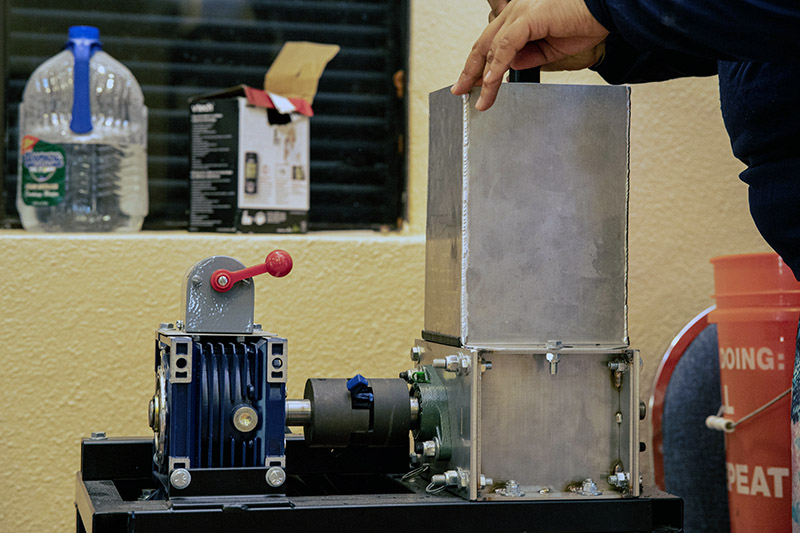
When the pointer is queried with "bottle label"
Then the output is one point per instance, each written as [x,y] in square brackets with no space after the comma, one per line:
[43,169]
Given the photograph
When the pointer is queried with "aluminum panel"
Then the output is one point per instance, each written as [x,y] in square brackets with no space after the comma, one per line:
[443,244]
[537,249]
[549,431]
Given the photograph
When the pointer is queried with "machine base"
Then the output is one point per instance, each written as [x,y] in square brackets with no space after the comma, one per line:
[333,490]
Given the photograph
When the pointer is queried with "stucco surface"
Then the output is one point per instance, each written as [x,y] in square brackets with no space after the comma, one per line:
[78,312]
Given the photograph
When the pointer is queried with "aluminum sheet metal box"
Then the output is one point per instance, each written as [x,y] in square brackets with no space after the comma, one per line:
[526,267]
[527,216]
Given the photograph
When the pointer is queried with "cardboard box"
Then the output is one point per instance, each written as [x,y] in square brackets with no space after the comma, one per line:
[250,167]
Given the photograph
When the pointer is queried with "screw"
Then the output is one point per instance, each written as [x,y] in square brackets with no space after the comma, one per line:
[196,280]
[98,435]
[245,419]
[222,281]
[553,359]
[618,417]
[179,324]
[276,476]
[180,478]
[544,490]
[642,411]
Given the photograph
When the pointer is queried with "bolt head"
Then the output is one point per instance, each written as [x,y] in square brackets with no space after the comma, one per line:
[222,281]
[245,419]
[180,478]
[276,476]
[416,353]
[429,448]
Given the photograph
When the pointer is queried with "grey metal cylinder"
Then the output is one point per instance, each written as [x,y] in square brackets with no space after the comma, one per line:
[335,422]
[298,412]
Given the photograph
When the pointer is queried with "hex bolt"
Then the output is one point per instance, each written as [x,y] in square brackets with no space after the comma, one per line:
[459,364]
[618,366]
[620,479]
[449,478]
[245,419]
[430,448]
[416,353]
[553,359]
[486,481]
[589,488]
[180,478]
[276,476]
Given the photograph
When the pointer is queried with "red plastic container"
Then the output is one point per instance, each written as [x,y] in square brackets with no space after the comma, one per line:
[758,304]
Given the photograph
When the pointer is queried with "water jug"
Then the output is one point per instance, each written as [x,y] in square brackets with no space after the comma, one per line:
[83,142]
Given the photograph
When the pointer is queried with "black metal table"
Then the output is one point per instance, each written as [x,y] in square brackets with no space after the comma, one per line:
[332,490]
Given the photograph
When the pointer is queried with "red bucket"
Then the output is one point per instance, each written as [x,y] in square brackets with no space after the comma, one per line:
[758,304]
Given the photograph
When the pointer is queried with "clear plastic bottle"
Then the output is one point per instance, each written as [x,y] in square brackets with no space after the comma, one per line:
[83,142]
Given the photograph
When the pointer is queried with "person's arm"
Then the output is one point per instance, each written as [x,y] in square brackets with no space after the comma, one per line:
[622,63]
[531,33]
[731,30]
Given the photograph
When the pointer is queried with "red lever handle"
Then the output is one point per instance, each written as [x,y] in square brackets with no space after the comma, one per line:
[278,263]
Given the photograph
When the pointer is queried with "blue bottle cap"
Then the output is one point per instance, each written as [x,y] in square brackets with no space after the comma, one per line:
[84,32]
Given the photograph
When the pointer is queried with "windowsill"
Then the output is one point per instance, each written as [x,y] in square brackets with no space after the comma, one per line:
[360,236]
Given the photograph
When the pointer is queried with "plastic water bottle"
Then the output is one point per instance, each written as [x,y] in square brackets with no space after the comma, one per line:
[83,142]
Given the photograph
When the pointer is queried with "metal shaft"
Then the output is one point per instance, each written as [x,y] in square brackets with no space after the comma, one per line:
[298,412]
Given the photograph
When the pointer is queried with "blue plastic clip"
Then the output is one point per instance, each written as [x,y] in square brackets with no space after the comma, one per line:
[361,396]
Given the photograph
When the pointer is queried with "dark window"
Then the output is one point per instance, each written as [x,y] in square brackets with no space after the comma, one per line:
[182,48]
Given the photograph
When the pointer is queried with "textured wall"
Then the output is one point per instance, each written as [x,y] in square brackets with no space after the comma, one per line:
[78,319]
[78,313]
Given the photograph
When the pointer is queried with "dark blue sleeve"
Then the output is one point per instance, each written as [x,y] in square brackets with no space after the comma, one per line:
[622,63]
[727,30]
[654,40]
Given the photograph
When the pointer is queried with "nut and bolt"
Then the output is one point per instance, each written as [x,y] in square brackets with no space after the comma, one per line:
[618,366]
[180,478]
[245,419]
[276,476]
[553,357]
[589,488]
[430,448]
[511,489]
[451,478]
[619,479]
[460,364]
[98,435]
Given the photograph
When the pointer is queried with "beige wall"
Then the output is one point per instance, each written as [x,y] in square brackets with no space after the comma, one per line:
[78,312]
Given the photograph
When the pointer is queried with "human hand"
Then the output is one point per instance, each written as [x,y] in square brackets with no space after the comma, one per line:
[526,34]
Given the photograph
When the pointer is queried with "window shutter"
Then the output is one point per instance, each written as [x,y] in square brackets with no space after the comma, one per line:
[183,48]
